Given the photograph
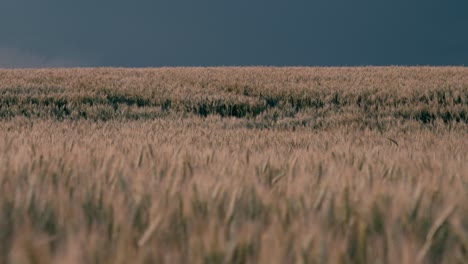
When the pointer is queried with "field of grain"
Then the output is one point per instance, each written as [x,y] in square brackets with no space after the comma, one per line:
[234,165]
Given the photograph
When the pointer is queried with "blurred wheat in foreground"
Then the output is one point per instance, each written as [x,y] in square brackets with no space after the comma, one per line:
[234,165]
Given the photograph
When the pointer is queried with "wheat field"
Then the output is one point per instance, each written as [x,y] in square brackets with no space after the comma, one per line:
[234,165]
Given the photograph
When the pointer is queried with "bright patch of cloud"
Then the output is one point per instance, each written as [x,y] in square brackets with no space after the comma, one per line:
[16,58]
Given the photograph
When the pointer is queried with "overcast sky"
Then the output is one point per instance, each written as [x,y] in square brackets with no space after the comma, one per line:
[140,33]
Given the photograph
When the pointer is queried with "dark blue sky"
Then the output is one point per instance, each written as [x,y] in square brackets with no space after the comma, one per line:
[55,33]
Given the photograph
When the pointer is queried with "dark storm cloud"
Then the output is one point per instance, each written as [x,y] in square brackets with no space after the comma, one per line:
[241,32]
